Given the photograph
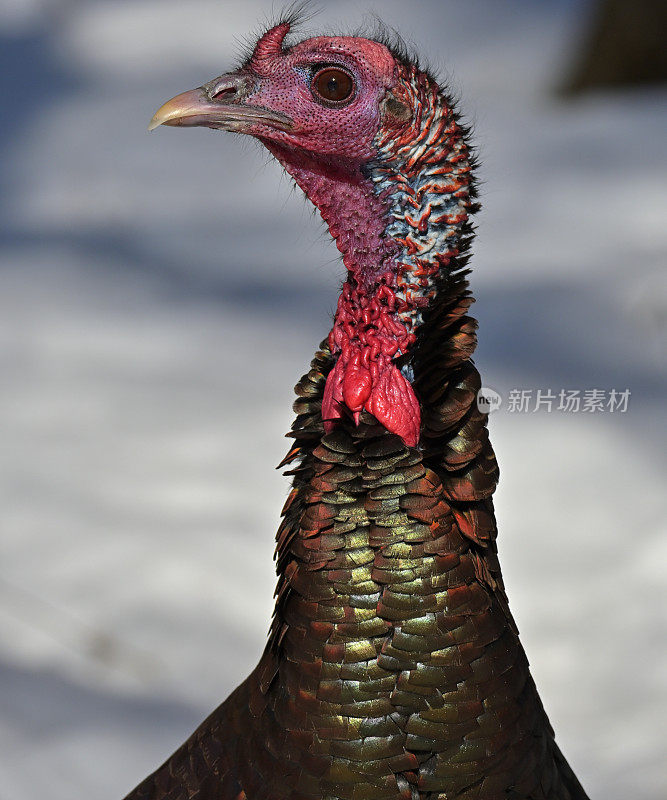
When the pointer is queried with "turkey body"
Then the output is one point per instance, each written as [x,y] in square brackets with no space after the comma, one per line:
[393,669]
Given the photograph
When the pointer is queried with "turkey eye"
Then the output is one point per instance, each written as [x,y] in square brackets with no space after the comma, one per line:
[333,85]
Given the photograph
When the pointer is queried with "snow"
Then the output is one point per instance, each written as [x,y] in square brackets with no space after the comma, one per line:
[161,295]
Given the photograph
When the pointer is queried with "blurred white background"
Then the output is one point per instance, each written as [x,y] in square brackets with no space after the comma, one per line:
[159,297]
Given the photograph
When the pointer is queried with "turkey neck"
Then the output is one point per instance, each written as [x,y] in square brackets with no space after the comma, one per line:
[401,222]
[390,602]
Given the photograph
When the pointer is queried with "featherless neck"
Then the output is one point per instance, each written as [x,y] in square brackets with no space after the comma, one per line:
[401,221]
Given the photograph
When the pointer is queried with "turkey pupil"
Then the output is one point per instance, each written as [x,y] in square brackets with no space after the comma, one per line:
[333,85]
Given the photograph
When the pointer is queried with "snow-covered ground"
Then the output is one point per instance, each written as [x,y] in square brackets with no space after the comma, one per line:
[161,294]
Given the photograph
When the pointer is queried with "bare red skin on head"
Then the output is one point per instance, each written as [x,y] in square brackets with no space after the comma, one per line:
[284,85]
[269,46]
[325,152]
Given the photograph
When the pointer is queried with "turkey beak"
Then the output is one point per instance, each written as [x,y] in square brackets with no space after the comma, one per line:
[219,104]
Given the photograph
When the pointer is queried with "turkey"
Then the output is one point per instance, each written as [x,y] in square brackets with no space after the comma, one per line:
[393,668]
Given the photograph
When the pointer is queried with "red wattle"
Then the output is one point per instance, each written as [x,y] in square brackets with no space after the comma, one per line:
[367,335]
[382,391]
[357,384]
[393,403]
